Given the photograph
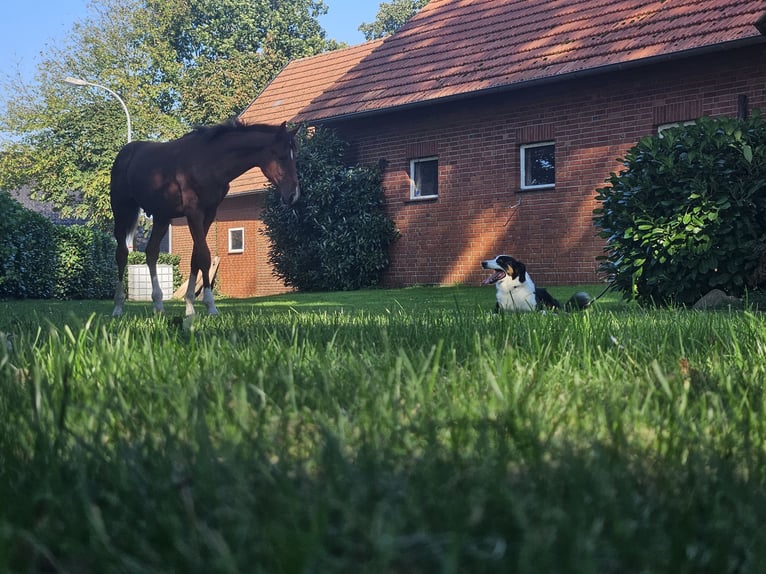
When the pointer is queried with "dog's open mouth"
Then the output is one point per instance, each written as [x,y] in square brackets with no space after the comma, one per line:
[494,278]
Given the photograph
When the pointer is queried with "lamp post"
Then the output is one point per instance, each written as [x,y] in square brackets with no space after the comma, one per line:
[78,82]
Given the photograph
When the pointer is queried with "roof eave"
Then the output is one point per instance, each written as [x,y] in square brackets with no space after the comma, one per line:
[247,193]
[761,24]
[577,74]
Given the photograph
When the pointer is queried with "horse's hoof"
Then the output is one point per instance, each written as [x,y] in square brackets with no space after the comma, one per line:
[117,313]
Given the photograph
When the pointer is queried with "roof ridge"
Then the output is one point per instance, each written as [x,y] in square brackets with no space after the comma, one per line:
[336,51]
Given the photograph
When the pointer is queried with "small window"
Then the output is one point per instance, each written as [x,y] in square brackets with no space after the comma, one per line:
[538,165]
[237,240]
[662,127]
[424,178]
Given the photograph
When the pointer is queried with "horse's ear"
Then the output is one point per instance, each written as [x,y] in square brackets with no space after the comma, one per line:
[290,133]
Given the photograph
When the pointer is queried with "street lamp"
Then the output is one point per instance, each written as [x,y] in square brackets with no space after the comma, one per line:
[79,82]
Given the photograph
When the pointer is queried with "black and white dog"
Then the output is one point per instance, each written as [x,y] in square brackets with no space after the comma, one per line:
[515,290]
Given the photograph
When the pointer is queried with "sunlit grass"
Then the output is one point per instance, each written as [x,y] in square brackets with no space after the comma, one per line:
[381,431]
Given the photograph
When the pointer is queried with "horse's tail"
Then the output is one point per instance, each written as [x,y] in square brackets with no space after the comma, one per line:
[119,174]
[124,206]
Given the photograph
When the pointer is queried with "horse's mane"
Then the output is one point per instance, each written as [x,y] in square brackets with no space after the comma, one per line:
[231,125]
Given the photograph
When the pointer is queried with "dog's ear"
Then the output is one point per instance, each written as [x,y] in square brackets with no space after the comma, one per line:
[520,271]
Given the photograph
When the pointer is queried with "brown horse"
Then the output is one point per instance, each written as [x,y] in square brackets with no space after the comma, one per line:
[189,177]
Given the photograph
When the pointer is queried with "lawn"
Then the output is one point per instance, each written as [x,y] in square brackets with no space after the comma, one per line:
[389,431]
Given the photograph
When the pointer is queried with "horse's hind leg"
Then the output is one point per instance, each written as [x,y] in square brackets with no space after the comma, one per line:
[159,228]
[125,219]
[121,256]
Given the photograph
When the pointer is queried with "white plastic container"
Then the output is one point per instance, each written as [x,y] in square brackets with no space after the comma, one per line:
[140,283]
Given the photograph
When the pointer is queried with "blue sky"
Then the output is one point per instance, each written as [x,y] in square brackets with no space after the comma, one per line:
[28,26]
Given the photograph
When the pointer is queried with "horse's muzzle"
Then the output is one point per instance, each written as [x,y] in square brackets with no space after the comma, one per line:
[293,197]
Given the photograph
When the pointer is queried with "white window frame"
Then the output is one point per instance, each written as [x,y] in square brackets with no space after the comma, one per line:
[231,248]
[523,158]
[413,188]
[662,127]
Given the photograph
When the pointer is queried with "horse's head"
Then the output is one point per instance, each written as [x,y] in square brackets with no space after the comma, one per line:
[280,168]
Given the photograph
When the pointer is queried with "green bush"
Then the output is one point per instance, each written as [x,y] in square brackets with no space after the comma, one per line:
[337,236]
[27,252]
[85,266]
[40,260]
[688,212]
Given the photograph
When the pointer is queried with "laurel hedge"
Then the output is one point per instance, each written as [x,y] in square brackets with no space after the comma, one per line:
[41,260]
[687,214]
[336,237]
[85,266]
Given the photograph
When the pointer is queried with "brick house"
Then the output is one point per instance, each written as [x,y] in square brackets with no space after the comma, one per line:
[498,121]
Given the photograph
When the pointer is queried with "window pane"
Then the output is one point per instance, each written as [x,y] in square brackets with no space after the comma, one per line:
[539,165]
[236,240]
[425,178]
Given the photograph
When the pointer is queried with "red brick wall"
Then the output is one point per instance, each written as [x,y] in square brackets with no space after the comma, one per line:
[480,211]
[245,274]
[593,121]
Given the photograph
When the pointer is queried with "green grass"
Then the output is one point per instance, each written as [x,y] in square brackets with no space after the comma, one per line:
[381,431]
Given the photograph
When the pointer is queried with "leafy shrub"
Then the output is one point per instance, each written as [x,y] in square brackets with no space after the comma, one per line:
[337,236]
[40,260]
[688,212]
[85,267]
[27,252]
[139,258]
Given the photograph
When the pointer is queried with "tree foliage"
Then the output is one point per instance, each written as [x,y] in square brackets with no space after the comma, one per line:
[214,56]
[688,212]
[176,64]
[391,16]
[337,237]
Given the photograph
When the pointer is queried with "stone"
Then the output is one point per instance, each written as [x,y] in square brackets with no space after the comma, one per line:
[717,299]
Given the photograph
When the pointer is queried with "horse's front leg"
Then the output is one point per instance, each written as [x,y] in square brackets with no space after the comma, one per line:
[207,299]
[159,228]
[200,261]
[207,289]
[191,292]
[207,292]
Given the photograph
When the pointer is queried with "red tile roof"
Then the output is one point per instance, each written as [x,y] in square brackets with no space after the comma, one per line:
[453,48]
[300,82]
[294,88]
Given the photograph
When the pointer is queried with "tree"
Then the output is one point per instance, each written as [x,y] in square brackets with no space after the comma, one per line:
[391,16]
[216,55]
[337,237]
[688,212]
[176,64]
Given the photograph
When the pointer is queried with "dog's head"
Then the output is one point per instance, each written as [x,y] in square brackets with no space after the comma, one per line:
[504,266]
